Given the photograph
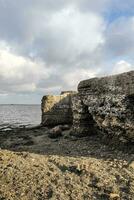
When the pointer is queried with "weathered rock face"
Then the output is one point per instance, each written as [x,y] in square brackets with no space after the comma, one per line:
[108,103]
[57,109]
[83,123]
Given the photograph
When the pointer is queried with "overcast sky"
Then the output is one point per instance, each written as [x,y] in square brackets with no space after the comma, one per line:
[47,46]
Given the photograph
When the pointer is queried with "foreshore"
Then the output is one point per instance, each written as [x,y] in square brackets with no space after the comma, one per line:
[35,166]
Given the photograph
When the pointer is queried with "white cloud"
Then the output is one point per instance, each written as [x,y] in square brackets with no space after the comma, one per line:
[122,66]
[50,90]
[19,74]
[52,45]
[18,67]
[28,87]
[60,32]
[73,78]
[64,37]
[70,34]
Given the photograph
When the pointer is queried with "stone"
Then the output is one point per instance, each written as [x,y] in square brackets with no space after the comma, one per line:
[106,103]
[65,127]
[55,132]
[132,165]
[83,123]
[101,105]
[114,196]
[57,110]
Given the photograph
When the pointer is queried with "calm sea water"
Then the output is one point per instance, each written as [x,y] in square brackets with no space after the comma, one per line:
[16,115]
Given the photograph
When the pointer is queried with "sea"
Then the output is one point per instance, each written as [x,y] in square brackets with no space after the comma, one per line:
[19,115]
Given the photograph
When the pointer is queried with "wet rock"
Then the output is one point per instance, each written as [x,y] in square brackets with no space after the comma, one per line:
[65,127]
[55,132]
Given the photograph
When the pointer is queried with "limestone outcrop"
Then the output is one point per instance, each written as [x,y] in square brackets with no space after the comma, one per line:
[105,104]
[57,109]
[108,103]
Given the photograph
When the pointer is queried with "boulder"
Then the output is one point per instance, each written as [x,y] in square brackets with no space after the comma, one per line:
[55,132]
[65,127]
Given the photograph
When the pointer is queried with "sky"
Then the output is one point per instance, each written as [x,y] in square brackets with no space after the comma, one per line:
[49,46]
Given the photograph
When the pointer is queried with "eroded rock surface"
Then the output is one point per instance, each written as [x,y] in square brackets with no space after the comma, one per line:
[57,110]
[107,102]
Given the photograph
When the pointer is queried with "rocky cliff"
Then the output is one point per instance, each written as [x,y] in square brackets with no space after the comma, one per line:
[108,103]
[41,167]
[105,104]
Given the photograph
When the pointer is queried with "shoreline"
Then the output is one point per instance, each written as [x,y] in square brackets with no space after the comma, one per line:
[76,166]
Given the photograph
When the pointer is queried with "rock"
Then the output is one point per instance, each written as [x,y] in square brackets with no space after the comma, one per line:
[102,105]
[55,132]
[65,127]
[83,123]
[28,176]
[57,109]
[114,196]
[106,103]
[132,165]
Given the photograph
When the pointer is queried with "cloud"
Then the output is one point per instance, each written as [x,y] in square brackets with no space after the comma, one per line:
[44,40]
[57,32]
[53,31]
[122,66]
[119,37]
[68,36]
[73,78]
[19,74]
[47,46]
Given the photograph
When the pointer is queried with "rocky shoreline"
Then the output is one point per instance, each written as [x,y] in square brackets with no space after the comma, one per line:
[35,166]
[82,150]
